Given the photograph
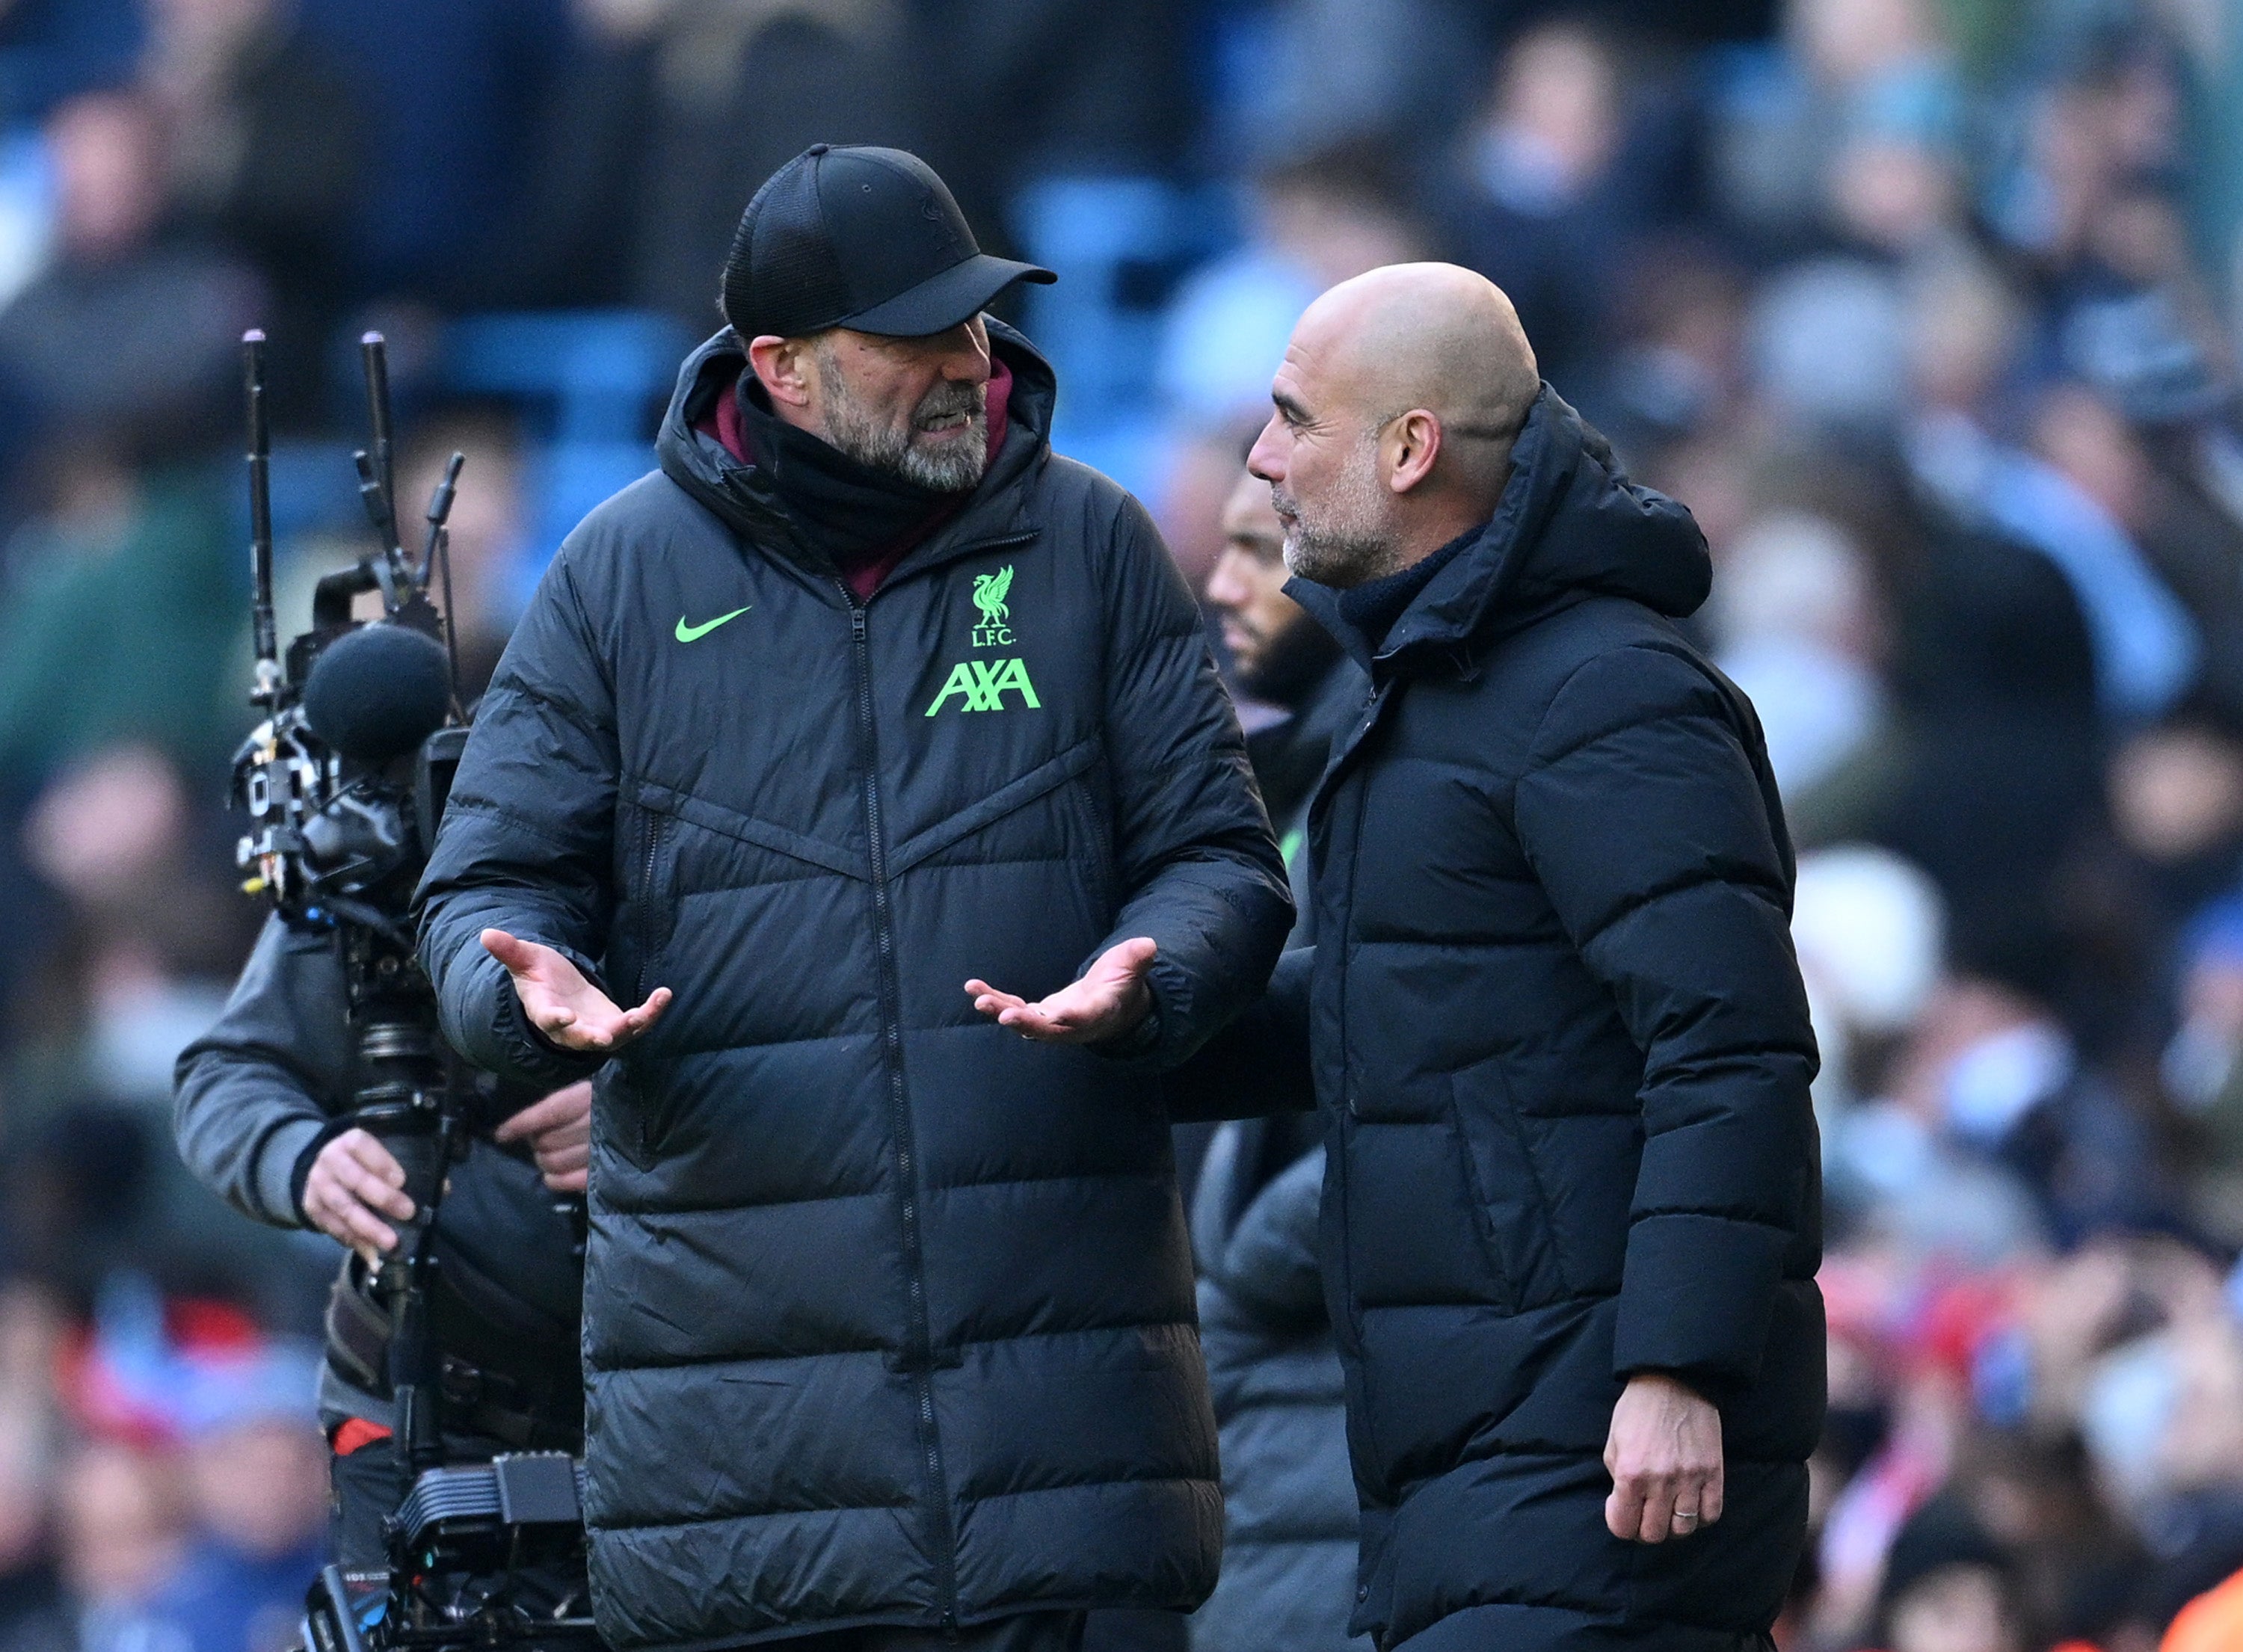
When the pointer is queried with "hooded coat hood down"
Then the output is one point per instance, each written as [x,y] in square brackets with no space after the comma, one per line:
[1561,1044]
[888,1313]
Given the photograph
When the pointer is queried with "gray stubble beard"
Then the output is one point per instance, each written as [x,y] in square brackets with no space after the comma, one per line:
[1349,547]
[883,443]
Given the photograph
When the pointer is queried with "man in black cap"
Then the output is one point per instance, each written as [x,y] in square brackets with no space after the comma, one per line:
[865,696]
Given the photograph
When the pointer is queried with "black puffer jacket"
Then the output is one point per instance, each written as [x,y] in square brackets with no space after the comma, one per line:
[888,1312]
[1560,1040]
[1289,1543]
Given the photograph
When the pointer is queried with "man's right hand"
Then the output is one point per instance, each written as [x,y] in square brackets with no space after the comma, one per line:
[563,1004]
[354,1183]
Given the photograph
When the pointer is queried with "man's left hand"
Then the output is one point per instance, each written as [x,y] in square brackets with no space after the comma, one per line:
[1664,1454]
[1110,999]
[559,1131]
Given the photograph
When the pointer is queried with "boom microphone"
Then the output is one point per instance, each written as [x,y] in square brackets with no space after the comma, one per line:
[378,692]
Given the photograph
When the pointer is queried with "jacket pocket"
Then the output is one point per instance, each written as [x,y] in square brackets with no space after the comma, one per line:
[1508,1200]
[1098,826]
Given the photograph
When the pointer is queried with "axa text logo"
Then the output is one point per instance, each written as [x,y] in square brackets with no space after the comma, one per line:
[982,685]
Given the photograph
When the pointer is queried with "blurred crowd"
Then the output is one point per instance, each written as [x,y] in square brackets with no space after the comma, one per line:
[1928,309]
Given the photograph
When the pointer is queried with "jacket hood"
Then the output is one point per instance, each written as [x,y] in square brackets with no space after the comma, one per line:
[1569,525]
[743,498]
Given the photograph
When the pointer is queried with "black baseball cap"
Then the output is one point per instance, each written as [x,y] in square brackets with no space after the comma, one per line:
[860,237]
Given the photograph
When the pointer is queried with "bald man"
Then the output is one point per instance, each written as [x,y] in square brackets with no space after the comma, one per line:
[1572,1211]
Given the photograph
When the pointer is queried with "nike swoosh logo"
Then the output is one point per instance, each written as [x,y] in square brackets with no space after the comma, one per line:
[695,633]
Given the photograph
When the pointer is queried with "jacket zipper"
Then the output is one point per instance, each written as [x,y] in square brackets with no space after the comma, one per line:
[1350,1115]
[918,1342]
[646,926]
[651,1126]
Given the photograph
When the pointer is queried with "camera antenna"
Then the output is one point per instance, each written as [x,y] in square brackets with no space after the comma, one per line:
[439,551]
[267,689]
[377,483]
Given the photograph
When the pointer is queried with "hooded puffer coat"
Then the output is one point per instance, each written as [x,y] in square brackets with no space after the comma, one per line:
[1561,1042]
[888,1313]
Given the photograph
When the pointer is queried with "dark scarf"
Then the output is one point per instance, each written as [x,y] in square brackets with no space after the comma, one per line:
[867,521]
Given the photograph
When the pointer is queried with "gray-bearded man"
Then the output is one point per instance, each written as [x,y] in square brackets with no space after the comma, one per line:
[889,1329]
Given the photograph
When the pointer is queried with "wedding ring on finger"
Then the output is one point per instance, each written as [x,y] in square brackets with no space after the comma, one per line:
[1685,1521]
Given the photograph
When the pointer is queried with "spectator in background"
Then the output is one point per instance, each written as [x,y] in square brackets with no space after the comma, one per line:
[1558,183]
[119,618]
[123,1540]
[103,832]
[1948,1588]
[1802,628]
[452,91]
[736,91]
[2147,648]
[131,336]
[1312,224]
[1859,81]
[1991,1070]
[2193,546]
[256,1490]
[2202,1065]
[31,1583]
[1675,369]
[267,152]
[53,49]
[490,571]
[1310,74]
[1283,661]
[1083,88]
[670,112]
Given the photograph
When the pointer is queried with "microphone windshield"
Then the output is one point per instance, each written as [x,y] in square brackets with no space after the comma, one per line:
[378,692]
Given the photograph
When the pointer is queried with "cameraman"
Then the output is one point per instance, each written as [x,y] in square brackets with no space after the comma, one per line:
[259,1109]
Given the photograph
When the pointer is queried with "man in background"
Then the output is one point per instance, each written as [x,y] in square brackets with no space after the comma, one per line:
[1290,1518]
[1286,660]
[261,1116]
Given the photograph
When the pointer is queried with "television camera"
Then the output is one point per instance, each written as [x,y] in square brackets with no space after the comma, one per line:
[343,783]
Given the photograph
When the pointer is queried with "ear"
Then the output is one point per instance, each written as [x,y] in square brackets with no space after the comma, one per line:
[1409,448]
[782,366]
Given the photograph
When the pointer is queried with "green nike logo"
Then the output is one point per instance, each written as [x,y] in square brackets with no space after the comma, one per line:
[695,633]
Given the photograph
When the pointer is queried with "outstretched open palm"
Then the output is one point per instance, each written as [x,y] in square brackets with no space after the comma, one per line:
[565,1006]
[1111,998]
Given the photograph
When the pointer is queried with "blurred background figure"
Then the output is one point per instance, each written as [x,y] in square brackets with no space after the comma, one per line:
[1929,309]
[1289,1548]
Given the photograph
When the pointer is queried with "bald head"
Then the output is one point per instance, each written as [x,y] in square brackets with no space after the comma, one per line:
[1430,336]
[1397,405]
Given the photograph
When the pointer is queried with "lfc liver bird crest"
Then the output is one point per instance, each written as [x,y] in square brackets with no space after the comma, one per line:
[989,596]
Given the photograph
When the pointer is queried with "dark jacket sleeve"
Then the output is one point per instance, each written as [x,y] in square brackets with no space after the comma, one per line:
[1661,846]
[1198,866]
[526,841]
[253,1093]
